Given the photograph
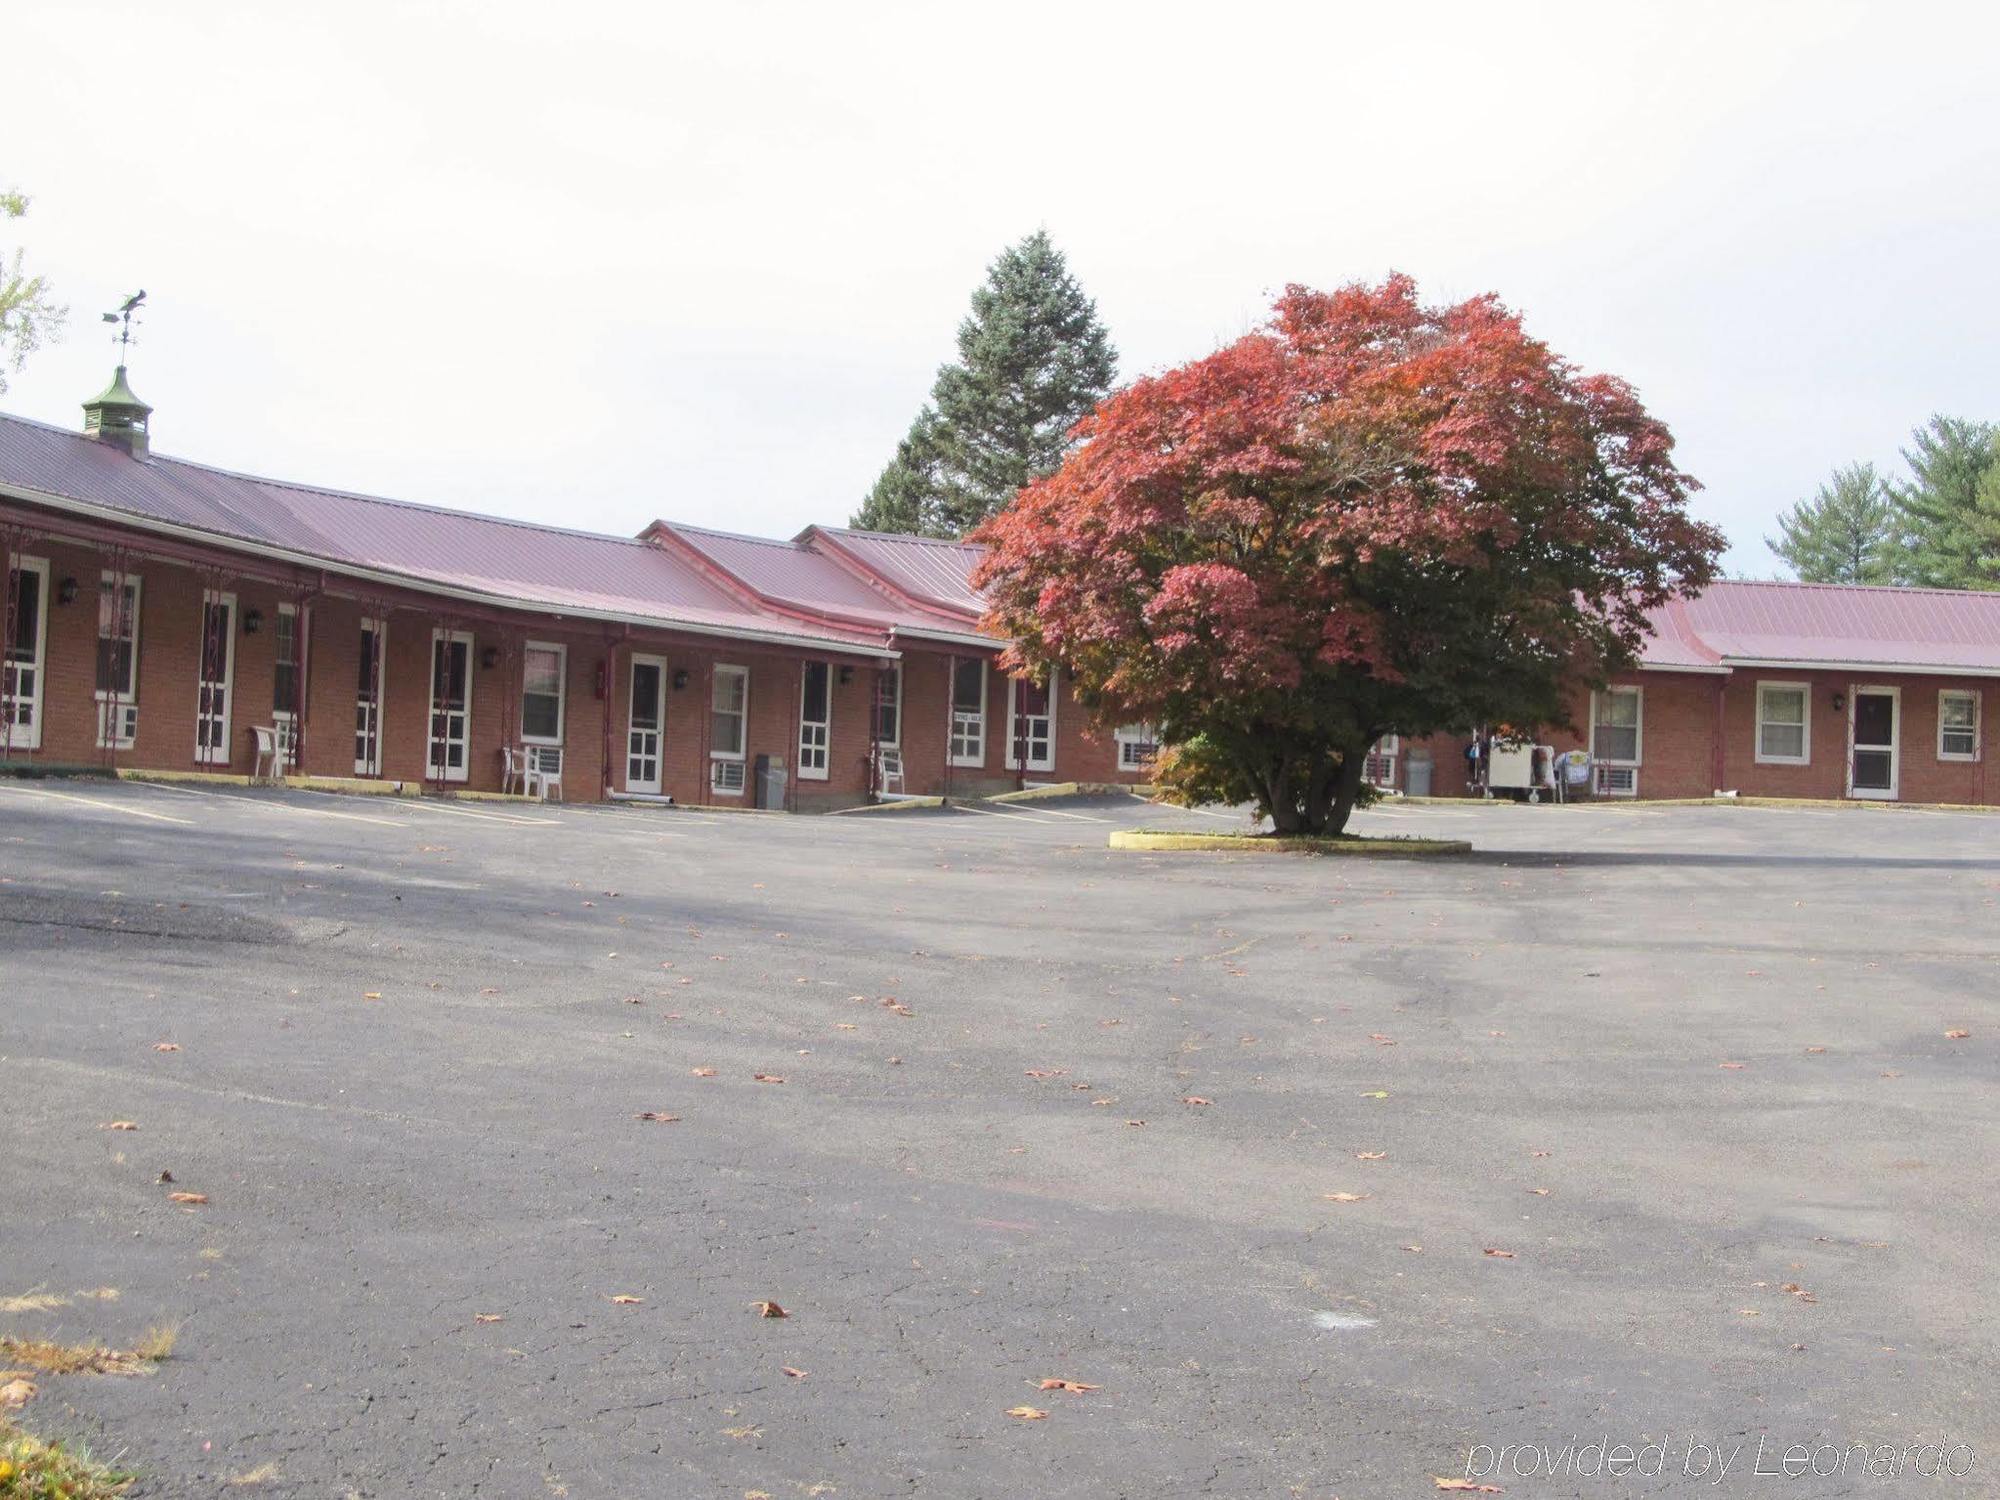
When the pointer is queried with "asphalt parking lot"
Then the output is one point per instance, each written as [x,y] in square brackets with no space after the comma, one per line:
[1237,1143]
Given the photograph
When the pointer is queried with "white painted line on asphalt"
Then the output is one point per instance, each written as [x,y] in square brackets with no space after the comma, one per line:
[988,812]
[117,807]
[413,804]
[1057,812]
[260,804]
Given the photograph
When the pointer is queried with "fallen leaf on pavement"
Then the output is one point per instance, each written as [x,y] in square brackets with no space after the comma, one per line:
[166,1046]
[770,1310]
[16,1394]
[118,1125]
[794,1371]
[1466,1484]
[626,1299]
[489,1317]
[768,1077]
[1196,1099]
[1371,1155]
[1075,1387]
[371,995]
[1957,1035]
[1500,1254]
[1343,1197]
[1135,1122]
[1414,1249]
[1027,1413]
[1539,1192]
[1376,1094]
[1733,1066]
[656,1116]
[702,1072]
[187,1197]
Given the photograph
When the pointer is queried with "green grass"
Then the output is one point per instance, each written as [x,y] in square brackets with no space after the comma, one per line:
[31,1469]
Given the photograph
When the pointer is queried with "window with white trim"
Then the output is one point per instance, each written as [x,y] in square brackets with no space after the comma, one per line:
[1784,725]
[1031,725]
[968,712]
[815,719]
[1378,768]
[368,699]
[21,674]
[544,673]
[117,662]
[1958,725]
[889,705]
[285,685]
[1617,725]
[1138,746]
[728,729]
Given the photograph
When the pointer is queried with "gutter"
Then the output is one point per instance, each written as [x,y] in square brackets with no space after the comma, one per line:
[113,516]
[1886,667]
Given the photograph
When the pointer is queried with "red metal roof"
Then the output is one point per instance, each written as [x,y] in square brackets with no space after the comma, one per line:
[1824,624]
[510,562]
[928,571]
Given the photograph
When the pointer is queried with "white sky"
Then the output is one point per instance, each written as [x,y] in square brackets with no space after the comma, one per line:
[599,263]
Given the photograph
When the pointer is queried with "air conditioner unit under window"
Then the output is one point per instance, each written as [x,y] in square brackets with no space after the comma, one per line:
[1616,781]
[545,758]
[726,775]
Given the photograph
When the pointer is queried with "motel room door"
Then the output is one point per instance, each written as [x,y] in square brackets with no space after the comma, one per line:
[451,705]
[1872,761]
[646,724]
[218,670]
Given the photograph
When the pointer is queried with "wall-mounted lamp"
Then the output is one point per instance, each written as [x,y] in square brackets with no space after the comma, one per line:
[253,621]
[66,591]
[680,679]
[846,675]
[490,658]
[1839,702]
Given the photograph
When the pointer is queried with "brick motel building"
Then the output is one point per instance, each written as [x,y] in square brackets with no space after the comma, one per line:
[166,616]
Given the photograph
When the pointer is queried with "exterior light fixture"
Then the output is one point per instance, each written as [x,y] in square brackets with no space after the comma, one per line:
[846,675]
[1839,702]
[253,621]
[66,591]
[490,658]
[680,679]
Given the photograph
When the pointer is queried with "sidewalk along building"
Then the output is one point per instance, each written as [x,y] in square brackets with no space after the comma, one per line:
[1781,690]
[166,615]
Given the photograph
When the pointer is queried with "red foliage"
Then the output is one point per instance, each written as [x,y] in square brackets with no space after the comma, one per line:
[1372,514]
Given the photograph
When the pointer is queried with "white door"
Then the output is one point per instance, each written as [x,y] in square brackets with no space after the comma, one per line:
[451,705]
[21,671]
[815,720]
[646,723]
[368,701]
[218,673]
[1031,727]
[1873,763]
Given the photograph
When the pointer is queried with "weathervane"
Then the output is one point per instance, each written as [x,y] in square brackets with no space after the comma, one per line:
[123,317]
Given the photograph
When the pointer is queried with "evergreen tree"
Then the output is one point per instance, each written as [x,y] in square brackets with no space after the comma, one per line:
[1033,361]
[1847,532]
[1950,509]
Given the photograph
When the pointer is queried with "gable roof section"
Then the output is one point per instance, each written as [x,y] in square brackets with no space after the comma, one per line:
[509,563]
[1933,631]
[925,571]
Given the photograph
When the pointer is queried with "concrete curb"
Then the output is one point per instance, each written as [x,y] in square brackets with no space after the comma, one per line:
[1246,843]
[1073,789]
[900,804]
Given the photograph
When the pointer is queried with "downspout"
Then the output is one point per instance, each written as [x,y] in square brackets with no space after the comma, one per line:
[1719,739]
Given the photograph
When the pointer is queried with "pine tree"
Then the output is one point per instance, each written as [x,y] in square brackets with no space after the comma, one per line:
[1950,510]
[1847,532]
[1033,360]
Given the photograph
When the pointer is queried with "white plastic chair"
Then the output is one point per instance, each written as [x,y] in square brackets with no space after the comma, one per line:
[266,763]
[889,768]
[543,781]
[518,770]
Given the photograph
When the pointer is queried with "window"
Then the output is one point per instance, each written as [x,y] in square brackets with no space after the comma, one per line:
[1031,725]
[728,729]
[26,660]
[1378,769]
[542,676]
[1783,732]
[968,712]
[815,719]
[889,705]
[1138,746]
[368,700]
[117,661]
[1958,725]
[1616,716]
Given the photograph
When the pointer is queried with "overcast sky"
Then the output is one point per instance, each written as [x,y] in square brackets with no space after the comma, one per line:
[600,263]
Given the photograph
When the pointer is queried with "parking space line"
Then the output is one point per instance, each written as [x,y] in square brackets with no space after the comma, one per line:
[117,807]
[1057,812]
[413,804]
[987,812]
[259,804]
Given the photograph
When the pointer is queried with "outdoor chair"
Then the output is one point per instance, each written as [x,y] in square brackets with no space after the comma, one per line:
[266,764]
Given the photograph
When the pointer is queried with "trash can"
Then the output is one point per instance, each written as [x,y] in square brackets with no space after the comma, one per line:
[1417,776]
[770,771]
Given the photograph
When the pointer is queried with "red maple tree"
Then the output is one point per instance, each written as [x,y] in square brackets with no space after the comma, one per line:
[1370,516]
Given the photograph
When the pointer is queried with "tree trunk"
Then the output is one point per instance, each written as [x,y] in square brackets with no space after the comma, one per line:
[1346,788]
